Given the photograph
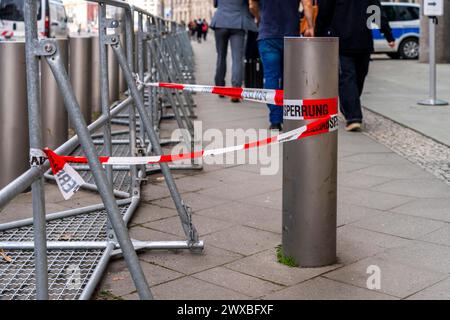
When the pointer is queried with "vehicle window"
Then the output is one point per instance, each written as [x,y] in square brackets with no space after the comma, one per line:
[415,12]
[53,13]
[403,13]
[390,13]
[61,14]
[13,10]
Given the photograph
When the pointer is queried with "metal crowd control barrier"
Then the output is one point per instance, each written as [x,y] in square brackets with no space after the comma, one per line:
[63,255]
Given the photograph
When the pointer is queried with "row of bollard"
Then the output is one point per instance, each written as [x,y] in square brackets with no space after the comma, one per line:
[80,54]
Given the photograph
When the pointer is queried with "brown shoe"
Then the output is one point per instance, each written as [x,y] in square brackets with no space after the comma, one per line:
[235,100]
[353,127]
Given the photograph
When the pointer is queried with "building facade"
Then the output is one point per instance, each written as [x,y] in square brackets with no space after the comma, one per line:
[155,7]
[188,10]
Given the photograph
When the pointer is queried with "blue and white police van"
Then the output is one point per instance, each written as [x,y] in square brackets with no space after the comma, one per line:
[404,19]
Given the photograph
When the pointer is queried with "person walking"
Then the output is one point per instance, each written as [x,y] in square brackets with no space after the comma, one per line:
[205,29]
[350,21]
[199,29]
[192,26]
[278,19]
[230,23]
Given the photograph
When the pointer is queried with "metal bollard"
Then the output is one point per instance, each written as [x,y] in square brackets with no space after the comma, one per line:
[55,121]
[80,69]
[14,138]
[310,166]
[95,77]
[113,76]
[122,82]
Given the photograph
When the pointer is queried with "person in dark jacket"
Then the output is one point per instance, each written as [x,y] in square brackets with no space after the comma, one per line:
[230,23]
[351,21]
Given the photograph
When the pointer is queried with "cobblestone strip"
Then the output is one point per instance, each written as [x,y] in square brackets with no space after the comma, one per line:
[429,154]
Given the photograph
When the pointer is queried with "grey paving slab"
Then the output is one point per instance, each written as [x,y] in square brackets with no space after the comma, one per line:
[400,225]
[422,255]
[248,285]
[441,236]
[244,240]
[436,209]
[439,291]
[147,213]
[246,214]
[240,191]
[204,225]
[326,289]
[348,213]
[377,158]
[265,266]
[188,262]
[360,180]
[195,200]
[17,210]
[396,279]
[418,188]
[118,281]
[356,144]
[189,288]
[270,200]
[145,234]
[402,171]
[371,199]
[349,166]
[196,183]
[86,200]
[357,235]
[350,251]
[154,192]
[354,244]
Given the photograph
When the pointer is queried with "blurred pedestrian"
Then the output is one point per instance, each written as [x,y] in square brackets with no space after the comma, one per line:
[349,20]
[278,19]
[192,27]
[205,28]
[230,23]
[199,30]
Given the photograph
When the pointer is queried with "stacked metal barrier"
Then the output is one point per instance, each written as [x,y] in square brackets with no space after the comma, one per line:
[63,255]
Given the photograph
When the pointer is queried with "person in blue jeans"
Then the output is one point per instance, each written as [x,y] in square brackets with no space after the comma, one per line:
[278,19]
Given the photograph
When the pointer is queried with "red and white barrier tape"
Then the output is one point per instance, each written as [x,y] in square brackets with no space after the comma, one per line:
[69,181]
[293,109]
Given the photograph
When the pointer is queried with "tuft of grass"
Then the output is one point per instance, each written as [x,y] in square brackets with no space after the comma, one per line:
[107,295]
[286,260]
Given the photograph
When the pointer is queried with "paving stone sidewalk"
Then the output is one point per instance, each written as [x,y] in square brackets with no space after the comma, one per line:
[391,214]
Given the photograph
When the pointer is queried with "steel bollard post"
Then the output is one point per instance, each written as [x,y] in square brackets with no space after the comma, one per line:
[80,69]
[122,82]
[432,100]
[113,76]
[95,77]
[55,121]
[310,165]
[14,138]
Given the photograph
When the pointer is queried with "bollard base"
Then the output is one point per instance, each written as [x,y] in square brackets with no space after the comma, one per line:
[432,102]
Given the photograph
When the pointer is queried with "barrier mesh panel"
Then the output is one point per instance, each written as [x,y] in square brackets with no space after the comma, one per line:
[69,270]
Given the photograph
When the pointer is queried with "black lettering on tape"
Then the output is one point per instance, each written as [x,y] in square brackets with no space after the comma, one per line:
[37,161]
[67,183]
